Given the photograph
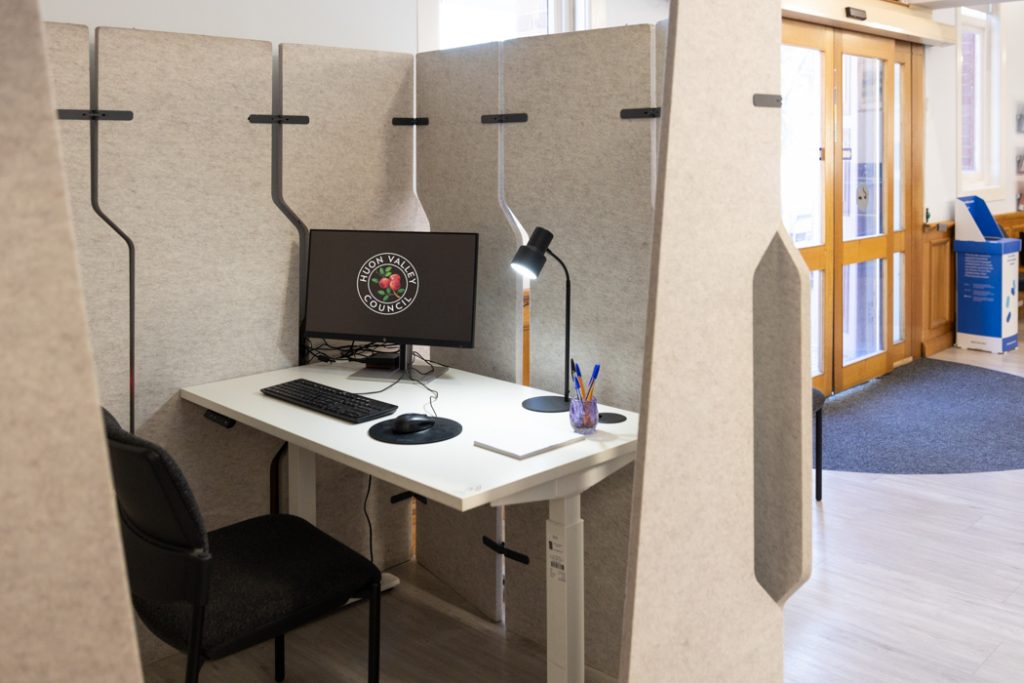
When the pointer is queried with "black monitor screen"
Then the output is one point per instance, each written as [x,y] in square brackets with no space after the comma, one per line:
[400,287]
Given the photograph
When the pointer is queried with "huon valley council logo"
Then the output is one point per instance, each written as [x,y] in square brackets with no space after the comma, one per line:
[387,283]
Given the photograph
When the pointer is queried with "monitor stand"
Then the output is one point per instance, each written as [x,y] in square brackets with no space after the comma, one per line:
[387,365]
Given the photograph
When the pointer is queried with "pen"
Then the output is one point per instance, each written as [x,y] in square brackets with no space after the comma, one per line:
[590,384]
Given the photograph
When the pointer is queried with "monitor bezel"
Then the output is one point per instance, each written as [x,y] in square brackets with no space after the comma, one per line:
[307,333]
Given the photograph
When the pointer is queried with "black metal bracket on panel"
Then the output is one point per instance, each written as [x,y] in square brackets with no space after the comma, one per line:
[94,115]
[400,121]
[406,495]
[762,100]
[504,118]
[223,420]
[273,118]
[641,113]
[502,549]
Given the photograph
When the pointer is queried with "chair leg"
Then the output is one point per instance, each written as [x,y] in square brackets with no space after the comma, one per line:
[817,455]
[374,656]
[279,658]
[195,646]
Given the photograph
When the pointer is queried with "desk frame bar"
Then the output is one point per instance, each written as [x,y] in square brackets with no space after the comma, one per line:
[564,568]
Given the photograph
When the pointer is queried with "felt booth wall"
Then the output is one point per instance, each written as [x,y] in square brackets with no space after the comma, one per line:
[188,179]
[722,495]
[105,280]
[586,174]
[458,184]
[351,168]
[63,587]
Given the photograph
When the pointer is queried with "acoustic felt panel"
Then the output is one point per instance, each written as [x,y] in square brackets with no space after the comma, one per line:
[457,183]
[726,419]
[584,173]
[350,168]
[189,181]
[63,592]
[102,253]
[580,170]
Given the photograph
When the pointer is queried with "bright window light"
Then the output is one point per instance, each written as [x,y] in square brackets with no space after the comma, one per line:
[470,22]
[979,101]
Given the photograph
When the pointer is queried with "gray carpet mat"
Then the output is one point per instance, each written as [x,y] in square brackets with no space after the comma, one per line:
[928,417]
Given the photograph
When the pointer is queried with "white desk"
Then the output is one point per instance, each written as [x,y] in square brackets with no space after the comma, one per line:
[455,472]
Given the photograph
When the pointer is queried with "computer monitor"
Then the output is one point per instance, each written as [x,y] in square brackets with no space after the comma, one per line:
[392,286]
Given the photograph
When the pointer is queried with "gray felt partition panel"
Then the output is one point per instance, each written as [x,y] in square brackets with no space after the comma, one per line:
[457,182]
[350,168]
[721,524]
[584,173]
[63,588]
[189,180]
[101,252]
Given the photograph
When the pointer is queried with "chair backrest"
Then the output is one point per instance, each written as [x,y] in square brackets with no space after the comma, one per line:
[164,535]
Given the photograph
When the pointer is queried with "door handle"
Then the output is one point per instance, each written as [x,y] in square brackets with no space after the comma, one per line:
[845,150]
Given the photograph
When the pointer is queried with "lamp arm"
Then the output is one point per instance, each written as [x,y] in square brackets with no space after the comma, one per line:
[568,303]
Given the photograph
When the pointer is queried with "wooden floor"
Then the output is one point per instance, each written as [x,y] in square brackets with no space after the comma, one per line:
[917,578]
[426,636]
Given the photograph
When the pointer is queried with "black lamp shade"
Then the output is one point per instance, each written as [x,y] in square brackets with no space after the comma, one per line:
[530,259]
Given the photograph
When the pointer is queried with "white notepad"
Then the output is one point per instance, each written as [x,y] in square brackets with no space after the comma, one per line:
[521,444]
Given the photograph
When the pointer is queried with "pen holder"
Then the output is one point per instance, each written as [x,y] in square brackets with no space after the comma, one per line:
[583,416]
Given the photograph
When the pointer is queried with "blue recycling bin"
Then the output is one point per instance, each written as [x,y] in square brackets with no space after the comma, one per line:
[987,265]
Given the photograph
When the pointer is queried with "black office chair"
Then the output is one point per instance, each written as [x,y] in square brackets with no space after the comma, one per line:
[212,595]
[817,403]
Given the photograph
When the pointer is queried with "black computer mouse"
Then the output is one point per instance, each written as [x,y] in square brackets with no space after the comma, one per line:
[410,423]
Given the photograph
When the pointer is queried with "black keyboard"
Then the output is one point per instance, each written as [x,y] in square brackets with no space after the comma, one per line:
[330,401]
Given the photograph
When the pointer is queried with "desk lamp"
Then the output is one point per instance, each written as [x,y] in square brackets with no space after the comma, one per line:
[528,262]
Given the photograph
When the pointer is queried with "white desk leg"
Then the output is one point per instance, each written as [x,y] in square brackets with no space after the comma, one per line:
[565,591]
[302,483]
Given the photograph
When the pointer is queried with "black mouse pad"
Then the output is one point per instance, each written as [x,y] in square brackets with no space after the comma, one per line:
[442,430]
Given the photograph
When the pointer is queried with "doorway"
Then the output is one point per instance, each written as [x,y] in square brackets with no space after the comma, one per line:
[846,195]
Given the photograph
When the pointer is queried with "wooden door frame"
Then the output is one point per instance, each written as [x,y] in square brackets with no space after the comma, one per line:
[821,38]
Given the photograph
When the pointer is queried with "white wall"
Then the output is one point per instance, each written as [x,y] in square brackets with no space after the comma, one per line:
[605,13]
[940,117]
[380,25]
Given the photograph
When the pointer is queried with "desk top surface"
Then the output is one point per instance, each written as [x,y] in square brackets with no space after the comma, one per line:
[455,472]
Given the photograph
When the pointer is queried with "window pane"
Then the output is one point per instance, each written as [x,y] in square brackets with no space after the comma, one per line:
[970,101]
[802,182]
[469,22]
[863,310]
[898,296]
[897,157]
[863,148]
[817,314]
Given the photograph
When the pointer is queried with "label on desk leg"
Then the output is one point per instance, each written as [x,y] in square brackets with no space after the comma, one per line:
[556,558]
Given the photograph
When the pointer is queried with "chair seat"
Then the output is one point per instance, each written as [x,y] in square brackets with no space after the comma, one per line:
[268,575]
[817,400]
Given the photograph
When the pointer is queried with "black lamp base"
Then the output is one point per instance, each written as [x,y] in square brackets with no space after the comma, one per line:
[547,404]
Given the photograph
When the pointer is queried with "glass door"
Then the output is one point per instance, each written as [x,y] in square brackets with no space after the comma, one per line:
[846,179]
[864,209]
[806,178]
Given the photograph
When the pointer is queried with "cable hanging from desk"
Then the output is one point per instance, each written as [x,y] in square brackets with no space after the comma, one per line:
[94,116]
